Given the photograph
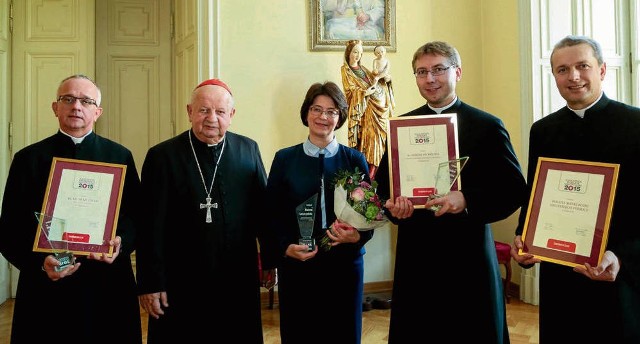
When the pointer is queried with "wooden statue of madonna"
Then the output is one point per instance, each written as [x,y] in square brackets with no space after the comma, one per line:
[371,102]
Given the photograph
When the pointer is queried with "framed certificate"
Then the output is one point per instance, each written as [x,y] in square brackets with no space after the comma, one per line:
[569,211]
[80,208]
[417,146]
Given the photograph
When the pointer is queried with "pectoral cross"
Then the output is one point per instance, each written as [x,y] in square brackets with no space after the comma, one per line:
[208,205]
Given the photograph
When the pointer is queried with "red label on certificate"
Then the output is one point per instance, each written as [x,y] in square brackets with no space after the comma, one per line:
[423,192]
[561,245]
[75,237]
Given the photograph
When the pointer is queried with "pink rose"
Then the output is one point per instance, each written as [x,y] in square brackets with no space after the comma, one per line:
[357,194]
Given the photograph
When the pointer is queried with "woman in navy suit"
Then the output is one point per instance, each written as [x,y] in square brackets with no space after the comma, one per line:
[320,291]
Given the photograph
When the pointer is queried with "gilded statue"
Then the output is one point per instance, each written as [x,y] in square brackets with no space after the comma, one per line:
[371,102]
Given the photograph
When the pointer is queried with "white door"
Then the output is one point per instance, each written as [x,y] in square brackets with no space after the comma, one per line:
[133,59]
[133,55]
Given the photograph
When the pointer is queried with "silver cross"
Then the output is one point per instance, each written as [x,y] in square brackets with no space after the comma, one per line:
[209,205]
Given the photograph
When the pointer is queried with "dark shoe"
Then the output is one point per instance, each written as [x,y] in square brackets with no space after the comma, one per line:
[381,301]
[367,304]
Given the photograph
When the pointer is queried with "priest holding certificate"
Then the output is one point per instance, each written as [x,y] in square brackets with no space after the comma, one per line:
[87,297]
[592,131]
[456,232]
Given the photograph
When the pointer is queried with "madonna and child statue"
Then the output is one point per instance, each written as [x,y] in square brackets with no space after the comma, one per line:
[371,102]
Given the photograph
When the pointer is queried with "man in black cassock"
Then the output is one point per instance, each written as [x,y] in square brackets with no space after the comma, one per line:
[203,192]
[94,300]
[453,246]
[589,304]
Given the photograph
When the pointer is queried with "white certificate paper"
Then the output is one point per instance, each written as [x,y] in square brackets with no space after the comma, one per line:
[569,211]
[423,148]
[83,201]
[416,146]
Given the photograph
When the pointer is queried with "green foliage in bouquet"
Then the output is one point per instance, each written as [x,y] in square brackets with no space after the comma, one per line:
[355,203]
[361,195]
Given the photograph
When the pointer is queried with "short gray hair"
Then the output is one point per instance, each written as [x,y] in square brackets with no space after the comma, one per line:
[572,40]
[82,76]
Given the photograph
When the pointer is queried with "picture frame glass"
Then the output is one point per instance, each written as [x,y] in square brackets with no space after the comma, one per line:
[569,212]
[417,145]
[335,22]
[80,208]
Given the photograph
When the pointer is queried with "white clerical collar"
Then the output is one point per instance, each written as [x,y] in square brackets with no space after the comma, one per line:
[77,140]
[215,144]
[312,150]
[581,112]
[439,110]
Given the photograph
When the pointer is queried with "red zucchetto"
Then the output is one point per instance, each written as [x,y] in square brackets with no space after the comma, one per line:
[215,82]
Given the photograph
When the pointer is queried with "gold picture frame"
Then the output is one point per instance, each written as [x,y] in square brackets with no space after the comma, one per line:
[81,205]
[569,211]
[334,22]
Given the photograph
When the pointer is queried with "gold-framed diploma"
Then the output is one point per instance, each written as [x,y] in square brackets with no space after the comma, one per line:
[417,145]
[569,211]
[85,197]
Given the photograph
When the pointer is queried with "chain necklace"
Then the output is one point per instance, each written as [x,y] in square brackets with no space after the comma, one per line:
[208,203]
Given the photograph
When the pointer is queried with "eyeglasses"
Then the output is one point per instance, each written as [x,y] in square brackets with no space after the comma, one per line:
[317,111]
[423,72]
[71,100]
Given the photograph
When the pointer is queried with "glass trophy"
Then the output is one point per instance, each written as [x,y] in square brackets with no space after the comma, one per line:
[306,212]
[447,175]
[53,229]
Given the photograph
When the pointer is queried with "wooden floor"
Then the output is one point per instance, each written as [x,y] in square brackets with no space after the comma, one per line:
[522,320]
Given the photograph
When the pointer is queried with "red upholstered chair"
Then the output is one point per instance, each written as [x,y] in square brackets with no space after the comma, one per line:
[504,257]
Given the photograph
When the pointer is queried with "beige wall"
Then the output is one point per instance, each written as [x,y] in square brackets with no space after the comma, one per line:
[266,60]
[501,74]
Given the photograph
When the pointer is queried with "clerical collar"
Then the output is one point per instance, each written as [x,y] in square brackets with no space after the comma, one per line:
[312,150]
[581,112]
[441,109]
[77,140]
[216,144]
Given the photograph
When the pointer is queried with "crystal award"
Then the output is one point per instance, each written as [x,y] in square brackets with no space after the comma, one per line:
[306,212]
[447,175]
[53,229]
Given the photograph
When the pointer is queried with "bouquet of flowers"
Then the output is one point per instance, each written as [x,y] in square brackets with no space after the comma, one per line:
[356,203]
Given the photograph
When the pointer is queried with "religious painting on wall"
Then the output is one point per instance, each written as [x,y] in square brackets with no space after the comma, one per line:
[334,22]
